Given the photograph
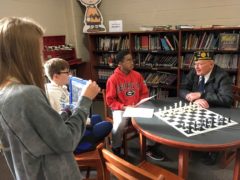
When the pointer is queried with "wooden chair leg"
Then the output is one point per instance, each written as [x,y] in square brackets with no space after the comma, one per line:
[226,158]
[125,150]
[88,172]
[99,171]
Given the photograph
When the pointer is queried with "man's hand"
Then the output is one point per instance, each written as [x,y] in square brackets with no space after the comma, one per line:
[202,103]
[193,96]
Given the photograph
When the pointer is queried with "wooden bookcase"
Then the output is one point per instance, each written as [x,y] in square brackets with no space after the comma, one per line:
[211,39]
[55,46]
[163,57]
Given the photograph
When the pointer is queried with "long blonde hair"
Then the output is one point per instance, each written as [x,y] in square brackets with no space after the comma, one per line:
[20,51]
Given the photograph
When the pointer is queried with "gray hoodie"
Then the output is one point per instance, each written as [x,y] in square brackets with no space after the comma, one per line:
[39,144]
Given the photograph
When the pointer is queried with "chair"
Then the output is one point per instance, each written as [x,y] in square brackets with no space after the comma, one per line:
[90,160]
[122,169]
[236,96]
[229,155]
[129,132]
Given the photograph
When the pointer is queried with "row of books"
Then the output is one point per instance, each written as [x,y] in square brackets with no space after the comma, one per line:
[156,60]
[211,41]
[159,92]
[73,71]
[103,74]
[164,78]
[228,61]
[108,43]
[156,42]
[193,41]
[107,59]
[152,79]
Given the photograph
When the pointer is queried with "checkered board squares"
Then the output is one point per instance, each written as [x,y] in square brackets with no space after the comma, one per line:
[192,120]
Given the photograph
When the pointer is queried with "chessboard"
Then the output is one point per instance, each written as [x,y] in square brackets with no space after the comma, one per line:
[191,120]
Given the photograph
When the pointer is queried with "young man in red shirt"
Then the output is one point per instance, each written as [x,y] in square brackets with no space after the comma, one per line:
[125,87]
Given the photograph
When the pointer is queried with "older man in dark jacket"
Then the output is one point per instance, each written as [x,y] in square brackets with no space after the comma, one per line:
[207,84]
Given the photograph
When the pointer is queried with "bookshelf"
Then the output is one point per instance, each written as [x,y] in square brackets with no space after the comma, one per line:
[55,46]
[164,57]
[224,42]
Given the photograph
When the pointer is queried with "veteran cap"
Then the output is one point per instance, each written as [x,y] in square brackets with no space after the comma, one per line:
[203,55]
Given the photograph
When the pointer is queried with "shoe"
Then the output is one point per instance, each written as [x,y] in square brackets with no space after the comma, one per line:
[117,151]
[158,156]
[211,158]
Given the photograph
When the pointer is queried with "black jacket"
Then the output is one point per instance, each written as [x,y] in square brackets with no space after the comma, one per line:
[218,88]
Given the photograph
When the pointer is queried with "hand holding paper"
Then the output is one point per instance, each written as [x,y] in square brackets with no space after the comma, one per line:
[144,100]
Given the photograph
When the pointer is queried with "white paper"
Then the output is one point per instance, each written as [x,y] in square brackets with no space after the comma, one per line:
[115,26]
[144,100]
[138,112]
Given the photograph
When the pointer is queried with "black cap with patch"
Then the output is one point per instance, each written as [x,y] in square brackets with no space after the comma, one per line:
[203,55]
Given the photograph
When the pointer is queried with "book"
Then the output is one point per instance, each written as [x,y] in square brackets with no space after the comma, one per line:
[76,86]
[144,42]
[169,43]
[228,41]
[164,44]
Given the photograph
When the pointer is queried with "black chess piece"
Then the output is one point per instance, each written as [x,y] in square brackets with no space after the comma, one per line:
[195,125]
[206,123]
[229,120]
[212,124]
[224,121]
[189,131]
[183,126]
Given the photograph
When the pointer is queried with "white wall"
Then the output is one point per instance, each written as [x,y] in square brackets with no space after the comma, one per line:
[49,13]
[58,17]
[135,13]
[65,17]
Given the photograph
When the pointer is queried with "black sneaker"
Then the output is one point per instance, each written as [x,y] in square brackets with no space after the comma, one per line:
[211,158]
[158,156]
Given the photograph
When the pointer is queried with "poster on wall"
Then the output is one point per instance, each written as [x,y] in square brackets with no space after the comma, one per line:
[93,20]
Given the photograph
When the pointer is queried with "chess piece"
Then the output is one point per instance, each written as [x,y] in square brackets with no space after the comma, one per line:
[164,108]
[229,120]
[180,104]
[212,124]
[175,105]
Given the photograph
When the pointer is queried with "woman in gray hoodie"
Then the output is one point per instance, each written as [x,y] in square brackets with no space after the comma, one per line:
[35,141]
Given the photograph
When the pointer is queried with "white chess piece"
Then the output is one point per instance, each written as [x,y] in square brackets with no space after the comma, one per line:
[180,103]
[164,108]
